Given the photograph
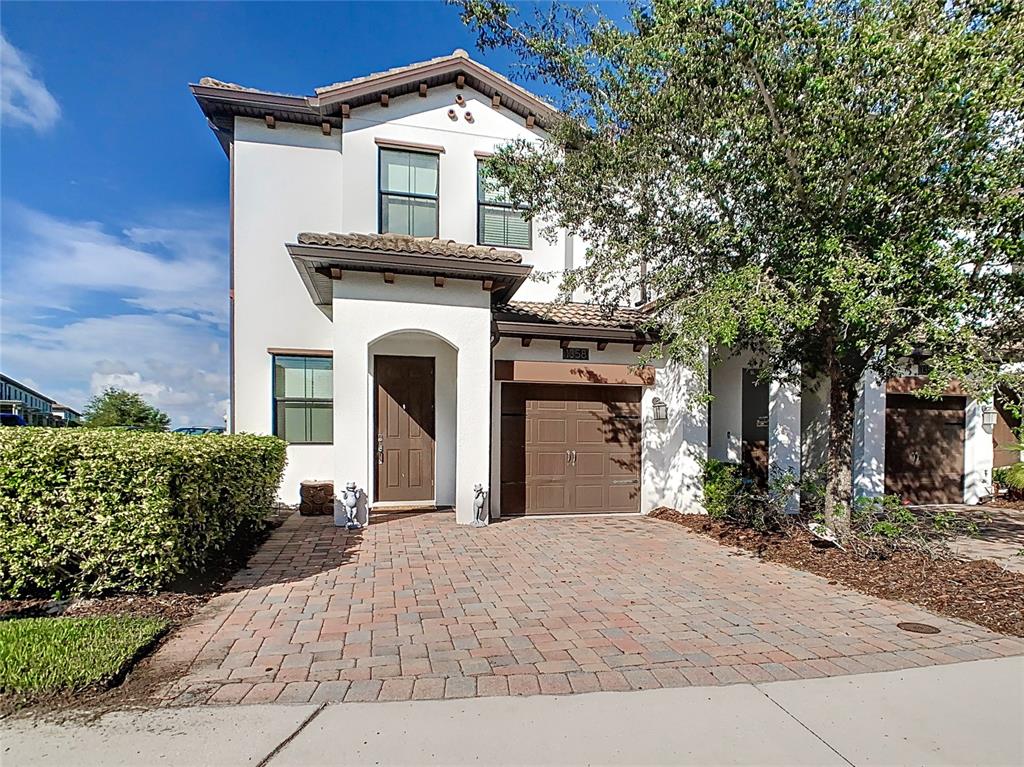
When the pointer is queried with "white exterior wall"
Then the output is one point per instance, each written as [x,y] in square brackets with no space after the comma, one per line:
[285,181]
[784,449]
[726,411]
[979,453]
[418,120]
[869,438]
[367,311]
[670,450]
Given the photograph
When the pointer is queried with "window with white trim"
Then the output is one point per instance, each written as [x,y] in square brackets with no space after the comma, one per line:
[499,222]
[304,399]
[408,192]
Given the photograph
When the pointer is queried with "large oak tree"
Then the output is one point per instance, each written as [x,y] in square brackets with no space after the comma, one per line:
[837,185]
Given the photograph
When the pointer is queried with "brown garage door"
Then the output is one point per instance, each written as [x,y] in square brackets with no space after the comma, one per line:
[570,449]
[924,448]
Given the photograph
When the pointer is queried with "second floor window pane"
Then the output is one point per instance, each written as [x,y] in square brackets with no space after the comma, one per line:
[499,222]
[408,193]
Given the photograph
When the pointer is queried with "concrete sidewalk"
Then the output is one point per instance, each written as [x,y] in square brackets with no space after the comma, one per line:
[967,713]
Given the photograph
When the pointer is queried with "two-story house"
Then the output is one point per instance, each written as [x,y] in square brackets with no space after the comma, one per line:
[384,323]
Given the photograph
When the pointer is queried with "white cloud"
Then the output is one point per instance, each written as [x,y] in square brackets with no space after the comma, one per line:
[25,98]
[144,310]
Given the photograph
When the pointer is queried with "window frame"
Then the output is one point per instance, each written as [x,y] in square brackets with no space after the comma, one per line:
[480,204]
[274,399]
[407,195]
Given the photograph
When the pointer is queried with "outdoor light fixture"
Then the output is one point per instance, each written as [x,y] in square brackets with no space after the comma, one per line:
[989,416]
[659,409]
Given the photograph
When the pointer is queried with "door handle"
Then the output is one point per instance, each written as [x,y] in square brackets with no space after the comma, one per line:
[568,457]
[573,457]
[380,448]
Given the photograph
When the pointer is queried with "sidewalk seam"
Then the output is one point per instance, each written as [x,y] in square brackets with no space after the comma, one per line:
[782,708]
[280,746]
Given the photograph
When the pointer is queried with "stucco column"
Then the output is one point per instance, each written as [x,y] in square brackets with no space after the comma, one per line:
[979,453]
[869,438]
[473,415]
[353,420]
[784,434]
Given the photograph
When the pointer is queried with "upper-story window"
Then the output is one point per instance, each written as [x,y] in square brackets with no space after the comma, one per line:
[498,221]
[408,192]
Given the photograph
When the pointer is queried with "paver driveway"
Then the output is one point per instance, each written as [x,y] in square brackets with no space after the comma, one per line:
[418,607]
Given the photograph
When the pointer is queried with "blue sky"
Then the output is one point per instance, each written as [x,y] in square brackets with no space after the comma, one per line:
[113,192]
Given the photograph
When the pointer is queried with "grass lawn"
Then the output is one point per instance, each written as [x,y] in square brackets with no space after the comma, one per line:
[39,655]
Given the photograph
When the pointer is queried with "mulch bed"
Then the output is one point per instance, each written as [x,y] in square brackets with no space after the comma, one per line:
[977,591]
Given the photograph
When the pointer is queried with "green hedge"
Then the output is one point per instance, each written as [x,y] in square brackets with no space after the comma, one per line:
[88,511]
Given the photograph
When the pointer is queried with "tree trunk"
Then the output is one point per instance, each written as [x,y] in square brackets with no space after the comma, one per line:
[839,465]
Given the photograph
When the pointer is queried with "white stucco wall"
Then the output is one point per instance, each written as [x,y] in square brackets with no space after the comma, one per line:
[978,453]
[414,119]
[814,408]
[285,181]
[726,410]
[367,312]
[869,438]
[670,450]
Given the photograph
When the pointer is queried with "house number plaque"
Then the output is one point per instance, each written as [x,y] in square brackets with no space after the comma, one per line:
[575,354]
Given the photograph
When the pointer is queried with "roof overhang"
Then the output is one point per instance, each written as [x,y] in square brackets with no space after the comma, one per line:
[563,332]
[457,68]
[222,105]
[319,265]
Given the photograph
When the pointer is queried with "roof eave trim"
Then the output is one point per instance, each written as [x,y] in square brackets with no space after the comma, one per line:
[514,329]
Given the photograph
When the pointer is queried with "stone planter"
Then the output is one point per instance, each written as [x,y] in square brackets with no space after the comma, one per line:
[317,499]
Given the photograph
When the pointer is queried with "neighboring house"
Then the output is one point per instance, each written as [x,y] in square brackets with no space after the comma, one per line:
[65,416]
[16,398]
[384,323]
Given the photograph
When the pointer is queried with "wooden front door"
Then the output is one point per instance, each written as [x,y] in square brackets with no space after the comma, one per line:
[405,428]
[570,449]
[924,448]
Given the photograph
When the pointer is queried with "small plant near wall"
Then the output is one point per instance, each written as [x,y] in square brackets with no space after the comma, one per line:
[1011,479]
[722,486]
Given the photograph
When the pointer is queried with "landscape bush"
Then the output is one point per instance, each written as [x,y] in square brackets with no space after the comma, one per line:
[1010,478]
[86,512]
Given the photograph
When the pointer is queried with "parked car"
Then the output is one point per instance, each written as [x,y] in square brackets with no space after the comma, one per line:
[195,430]
[12,419]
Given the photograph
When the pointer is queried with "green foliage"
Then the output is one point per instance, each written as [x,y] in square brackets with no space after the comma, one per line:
[51,654]
[1010,477]
[722,487]
[883,524]
[727,497]
[116,407]
[833,184]
[87,511]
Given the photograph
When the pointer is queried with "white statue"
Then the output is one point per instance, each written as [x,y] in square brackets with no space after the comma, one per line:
[350,500]
[481,516]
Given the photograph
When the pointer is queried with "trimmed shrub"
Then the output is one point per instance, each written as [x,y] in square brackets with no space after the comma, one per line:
[84,511]
[722,487]
[1011,478]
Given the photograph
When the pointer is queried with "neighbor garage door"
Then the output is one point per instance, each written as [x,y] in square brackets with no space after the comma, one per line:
[570,449]
[924,448]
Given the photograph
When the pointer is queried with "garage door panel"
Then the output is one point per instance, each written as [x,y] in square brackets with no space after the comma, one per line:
[591,497]
[623,497]
[547,498]
[924,448]
[548,464]
[589,431]
[580,448]
[590,464]
[548,431]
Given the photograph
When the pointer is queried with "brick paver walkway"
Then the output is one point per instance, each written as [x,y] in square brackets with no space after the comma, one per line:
[418,607]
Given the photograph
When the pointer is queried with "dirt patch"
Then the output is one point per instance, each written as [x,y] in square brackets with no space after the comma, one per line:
[177,604]
[979,591]
[1004,503]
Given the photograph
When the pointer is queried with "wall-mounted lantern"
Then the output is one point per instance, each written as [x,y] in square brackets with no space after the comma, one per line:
[989,416]
[659,410]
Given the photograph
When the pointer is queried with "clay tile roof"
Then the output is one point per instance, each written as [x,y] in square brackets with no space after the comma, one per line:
[213,82]
[583,315]
[457,53]
[406,244]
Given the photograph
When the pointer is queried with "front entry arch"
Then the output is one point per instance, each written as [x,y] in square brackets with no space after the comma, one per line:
[405,428]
